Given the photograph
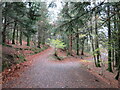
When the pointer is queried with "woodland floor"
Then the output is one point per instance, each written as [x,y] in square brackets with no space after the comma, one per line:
[43,71]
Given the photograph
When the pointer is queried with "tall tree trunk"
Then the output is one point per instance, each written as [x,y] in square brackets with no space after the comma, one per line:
[21,35]
[109,42]
[43,38]
[39,39]
[96,42]
[17,35]
[0,24]
[14,29]
[118,74]
[77,41]
[93,49]
[82,52]
[4,27]
[92,42]
[4,30]
[70,48]
[113,54]
[28,40]
[114,42]
[116,38]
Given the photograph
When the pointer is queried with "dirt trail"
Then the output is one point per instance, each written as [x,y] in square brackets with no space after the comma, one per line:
[45,74]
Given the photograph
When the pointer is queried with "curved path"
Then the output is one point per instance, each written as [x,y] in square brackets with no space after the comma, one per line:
[45,74]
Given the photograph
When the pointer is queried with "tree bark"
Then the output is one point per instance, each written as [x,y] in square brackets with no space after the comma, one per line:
[118,74]
[109,42]
[17,35]
[21,35]
[28,40]
[77,41]
[14,29]
[39,39]
[4,30]
[92,42]
[96,42]
[82,52]
[70,44]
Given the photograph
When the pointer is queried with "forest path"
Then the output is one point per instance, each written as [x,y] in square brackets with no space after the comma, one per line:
[44,73]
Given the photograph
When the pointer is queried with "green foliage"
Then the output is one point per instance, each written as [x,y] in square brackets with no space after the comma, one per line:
[95,52]
[9,60]
[57,43]
[21,58]
[5,64]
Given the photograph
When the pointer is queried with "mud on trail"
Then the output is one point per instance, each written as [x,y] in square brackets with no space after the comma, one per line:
[46,73]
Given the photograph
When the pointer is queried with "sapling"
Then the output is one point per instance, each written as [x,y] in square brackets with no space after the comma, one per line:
[56,43]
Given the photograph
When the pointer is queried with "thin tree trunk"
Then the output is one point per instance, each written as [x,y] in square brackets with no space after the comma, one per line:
[92,43]
[28,40]
[4,30]
[113,55]
[96,42]
[17,36]
[43,39]
[93,49]
[39,39]
[21,35]
[70,44]
[116,38]
[4,27]
[82,52]
[77,41]
[109,43]
[14,29]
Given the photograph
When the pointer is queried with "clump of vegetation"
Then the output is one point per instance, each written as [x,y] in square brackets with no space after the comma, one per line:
[56,43]
[10,59]
[21,58]
[38,50]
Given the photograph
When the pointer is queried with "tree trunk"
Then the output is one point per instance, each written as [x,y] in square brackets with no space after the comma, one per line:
[82,52]
[4,27]
[77,41]
[43,39]
[93,49]
[70,48]
[92,43]
[4,31]
[28,40]
[96,42]
[109,43]
[113,55]
[14,29]
[116,38]
[118,74]
[17,36]
[39,39]
[21,35]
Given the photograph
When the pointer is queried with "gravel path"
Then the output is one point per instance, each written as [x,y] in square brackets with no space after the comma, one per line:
[45,74]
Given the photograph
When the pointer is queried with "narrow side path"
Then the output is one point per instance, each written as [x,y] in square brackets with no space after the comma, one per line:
[45,74]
